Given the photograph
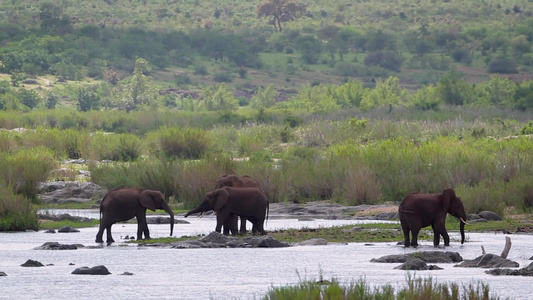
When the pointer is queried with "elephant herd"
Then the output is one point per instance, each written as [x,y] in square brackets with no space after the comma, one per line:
[237,196]
[234,196]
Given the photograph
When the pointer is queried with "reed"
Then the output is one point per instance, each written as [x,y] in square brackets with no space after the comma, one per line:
[415,288]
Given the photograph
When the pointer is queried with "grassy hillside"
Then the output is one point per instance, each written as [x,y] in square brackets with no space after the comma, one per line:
[417,41]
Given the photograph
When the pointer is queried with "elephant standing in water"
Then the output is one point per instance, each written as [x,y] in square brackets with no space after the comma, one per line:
[418,210]
[233,180]
[125,203]
[251,203]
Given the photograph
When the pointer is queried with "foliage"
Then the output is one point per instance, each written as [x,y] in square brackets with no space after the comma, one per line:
[88,99]
[264,97]
[415,288]
[387,93]
[24,169]
[280,11]
[219,97]
[16,211]
[176,142]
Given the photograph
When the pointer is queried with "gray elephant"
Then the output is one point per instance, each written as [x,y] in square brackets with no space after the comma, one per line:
[233,180]
[418,210]
[251,203]
[125,203]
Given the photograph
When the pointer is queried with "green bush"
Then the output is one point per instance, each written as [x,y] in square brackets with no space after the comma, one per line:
[24,169]
[115,147]
[16,211]
[176,142]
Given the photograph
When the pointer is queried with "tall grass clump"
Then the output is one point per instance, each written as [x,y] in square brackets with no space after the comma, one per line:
[417,288]
[115,147]
[185,181]
[148,173]
[191,143]
[24,169]
[16,212]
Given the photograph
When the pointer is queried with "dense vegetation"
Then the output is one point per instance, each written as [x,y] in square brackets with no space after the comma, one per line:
[416,288]
[354,101]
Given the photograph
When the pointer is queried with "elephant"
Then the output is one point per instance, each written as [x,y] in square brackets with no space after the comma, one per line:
[123,204]
[418,210]
[248,202]
[233,180]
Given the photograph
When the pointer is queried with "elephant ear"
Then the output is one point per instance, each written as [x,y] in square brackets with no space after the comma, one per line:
[221,199]
[447,197]
[148,199]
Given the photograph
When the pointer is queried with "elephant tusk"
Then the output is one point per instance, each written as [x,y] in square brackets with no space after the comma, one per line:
[462,220]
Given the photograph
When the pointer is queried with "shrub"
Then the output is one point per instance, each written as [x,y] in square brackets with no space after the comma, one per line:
[16,212]
[116,147]
[502,65]
[24,169]
[182,142]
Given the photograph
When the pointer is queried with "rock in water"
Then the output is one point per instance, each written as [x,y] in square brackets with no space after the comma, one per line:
[98,270]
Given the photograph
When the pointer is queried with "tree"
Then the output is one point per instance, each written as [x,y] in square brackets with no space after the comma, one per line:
[219,97]
[310,47]
[264,97]
[523,97]
[30,98]
[88,99]
[386,93]
[452,89]
[280,11]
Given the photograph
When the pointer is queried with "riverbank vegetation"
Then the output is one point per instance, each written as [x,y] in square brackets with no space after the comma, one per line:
[350,102]
[415,288]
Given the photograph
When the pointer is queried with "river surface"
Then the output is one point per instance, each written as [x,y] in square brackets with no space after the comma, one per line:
[228,273]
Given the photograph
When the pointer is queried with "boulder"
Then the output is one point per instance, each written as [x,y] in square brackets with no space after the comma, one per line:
[127,273]
[3,274]
[527,271]
[32,263]
[67,229]
[386,216]
[488,261]
[489,215]
[50,231]
[59,192]
[98,270]
[264,241]
[57,246]
[313,242]
[217,238]
[416,264]
[63,217]
[426,256]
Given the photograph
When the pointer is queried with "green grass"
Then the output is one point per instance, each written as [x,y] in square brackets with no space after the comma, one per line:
[415,289]
[43,225]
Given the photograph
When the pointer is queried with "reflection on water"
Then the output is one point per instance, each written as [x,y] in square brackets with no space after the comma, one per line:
[225,273]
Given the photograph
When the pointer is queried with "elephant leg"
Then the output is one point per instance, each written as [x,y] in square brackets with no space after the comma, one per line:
[438,230]
[243,226]
[100,234]
[142,227]
[221,220]
[406,241]
[109,237]
[231,224]
[414,237]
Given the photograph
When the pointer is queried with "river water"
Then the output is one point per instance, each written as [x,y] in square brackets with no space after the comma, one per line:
[163,273]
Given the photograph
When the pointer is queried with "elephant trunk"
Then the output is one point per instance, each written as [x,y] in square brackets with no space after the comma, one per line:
[462,223]
[194,211]
[167,208]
